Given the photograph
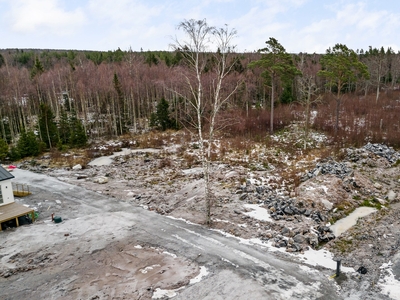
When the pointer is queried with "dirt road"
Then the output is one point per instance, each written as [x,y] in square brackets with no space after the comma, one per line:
[109,249]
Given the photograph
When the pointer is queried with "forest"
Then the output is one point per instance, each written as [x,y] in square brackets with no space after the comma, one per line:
[67,98]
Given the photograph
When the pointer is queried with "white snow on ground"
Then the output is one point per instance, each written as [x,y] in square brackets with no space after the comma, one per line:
[108,160]
[344,224]
[228,261]
[161,294]
[310,257]
[390,286]
[145,270]
[307,269]
[203,273]
[183,220]
[192,171]
[322,258]
[170,254]
[258,212]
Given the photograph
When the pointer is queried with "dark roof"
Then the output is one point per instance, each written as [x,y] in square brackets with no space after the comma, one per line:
[4,174]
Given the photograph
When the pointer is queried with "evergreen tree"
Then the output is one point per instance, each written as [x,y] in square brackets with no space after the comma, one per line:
[151,58]
[5,131]
[2,62]
[161,118]
[277,66]
[64,129]
[287,92]
[28,144]
[121,116]
[3,149]
[14,154]
[37,68]
[340,67]
[78,136]
[47,126]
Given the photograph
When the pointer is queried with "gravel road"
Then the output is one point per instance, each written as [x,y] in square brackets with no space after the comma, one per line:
[87,255]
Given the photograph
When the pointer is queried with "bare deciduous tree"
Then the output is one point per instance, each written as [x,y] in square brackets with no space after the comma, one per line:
[378,67]
[207,52]
[307,88]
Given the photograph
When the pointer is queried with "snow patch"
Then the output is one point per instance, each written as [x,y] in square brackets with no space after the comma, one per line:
[322,258]
[161,294]
[388,282]
[145,270]
[258,212]
[203,273]
[170,254]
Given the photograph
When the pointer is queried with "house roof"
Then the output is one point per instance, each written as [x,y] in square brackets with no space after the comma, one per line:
[4,174]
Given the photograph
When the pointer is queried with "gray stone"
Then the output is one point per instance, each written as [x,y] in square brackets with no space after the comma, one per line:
[312,239]
[285,231]
[281,244]
[341,170]
[297,247]
[288,211]
[327,237]
[299,238]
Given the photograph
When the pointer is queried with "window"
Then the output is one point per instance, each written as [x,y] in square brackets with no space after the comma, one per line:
[1,196]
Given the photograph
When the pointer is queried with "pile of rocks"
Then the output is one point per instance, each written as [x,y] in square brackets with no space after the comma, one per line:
[299,239]
[330,166]
[383,151]
[289,209]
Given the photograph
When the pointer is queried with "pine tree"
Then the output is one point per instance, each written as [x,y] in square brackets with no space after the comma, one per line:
[28,144]
[121,117]
[277,66]
[3,149]
[340,67]
[78,136]
[64,129]
[161,119]
[37,68]
[2,62]
[47,126]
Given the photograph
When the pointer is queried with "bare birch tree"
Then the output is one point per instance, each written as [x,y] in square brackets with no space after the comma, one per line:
[307,88]
[204,44]
[377,62]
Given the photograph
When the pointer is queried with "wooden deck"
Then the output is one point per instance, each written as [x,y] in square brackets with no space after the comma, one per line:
[13,211]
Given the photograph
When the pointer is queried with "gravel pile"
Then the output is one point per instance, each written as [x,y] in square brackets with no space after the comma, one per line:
[383,151]
[341,170]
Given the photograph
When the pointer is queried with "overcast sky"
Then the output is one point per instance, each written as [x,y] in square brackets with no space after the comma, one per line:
[299,25]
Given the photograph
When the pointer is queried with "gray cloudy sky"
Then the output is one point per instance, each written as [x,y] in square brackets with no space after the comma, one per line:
[299,25]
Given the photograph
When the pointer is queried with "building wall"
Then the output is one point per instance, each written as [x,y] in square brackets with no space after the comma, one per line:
[6,192]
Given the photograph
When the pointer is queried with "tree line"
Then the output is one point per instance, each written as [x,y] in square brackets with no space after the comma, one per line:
[63,98]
